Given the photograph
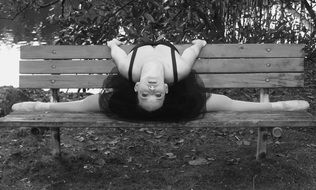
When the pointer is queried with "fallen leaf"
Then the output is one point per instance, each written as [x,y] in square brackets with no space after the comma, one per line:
[211,159]
[311,145]
[149,132]
[79,138]
[158,136]
[114,142]
[280,155]
[146,130]
[198,162]
[171,155]
[66,145]
[247,143]
[233,161]
[93,149]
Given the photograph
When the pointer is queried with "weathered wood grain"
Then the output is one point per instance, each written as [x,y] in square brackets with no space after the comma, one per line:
[255,65]
[66,66]
[214,119]
[257,80]
[210,50]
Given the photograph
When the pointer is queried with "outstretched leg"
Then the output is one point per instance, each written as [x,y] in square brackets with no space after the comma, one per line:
[88,104]
[223,103]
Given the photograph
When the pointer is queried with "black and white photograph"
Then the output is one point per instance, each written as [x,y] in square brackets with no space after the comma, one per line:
[157,95]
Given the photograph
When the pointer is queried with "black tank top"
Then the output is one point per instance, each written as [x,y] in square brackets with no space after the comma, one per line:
[173,57]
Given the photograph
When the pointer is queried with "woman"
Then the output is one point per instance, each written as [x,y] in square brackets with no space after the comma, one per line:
[153,66]
[166,86]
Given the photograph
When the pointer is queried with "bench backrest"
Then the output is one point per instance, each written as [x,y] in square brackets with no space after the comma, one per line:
[219,65]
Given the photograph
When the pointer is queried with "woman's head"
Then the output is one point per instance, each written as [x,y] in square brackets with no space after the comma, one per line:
[184,101]
[151,94]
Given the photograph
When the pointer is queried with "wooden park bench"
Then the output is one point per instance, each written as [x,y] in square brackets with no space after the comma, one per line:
[261,66]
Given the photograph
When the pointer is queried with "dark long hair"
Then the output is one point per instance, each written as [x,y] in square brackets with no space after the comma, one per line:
[186,100]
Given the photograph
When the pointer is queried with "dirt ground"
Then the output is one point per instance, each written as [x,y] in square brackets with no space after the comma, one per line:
[157,159]
[162,159]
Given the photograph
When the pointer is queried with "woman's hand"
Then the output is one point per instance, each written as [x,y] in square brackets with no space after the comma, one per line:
[199,42]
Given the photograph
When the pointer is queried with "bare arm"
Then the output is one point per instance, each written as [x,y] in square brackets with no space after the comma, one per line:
[118,55]
[190,54]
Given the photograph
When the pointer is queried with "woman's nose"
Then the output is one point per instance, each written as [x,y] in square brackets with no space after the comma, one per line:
[152,88]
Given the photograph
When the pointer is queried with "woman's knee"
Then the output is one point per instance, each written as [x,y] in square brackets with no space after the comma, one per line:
[218,102]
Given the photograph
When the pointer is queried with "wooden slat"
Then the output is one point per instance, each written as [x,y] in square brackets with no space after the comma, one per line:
[252,50]
[201,66]
[210,50]
[214,119]
[66,66]
[260,65]
[258,80]
[61,81]
[65,52]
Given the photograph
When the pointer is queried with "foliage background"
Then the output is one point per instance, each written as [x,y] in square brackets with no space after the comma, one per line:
[216,21]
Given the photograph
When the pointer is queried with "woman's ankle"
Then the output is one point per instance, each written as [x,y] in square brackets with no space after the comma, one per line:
[291,105]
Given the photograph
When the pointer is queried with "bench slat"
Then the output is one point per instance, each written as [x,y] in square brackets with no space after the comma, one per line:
[214,119]
[66,66]
[201,66]
[258,80]
[211,51]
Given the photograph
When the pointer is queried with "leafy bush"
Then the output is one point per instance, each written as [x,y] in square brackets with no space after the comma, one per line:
[217,21]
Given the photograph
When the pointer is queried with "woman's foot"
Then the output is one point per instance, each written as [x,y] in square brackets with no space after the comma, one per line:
[30,106]
[291,105]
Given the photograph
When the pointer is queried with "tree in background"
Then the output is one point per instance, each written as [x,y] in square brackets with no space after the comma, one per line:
[180,21]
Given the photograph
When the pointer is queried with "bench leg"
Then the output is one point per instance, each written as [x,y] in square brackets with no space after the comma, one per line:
[262,143]
[55,131]
[55,142]
[262,132]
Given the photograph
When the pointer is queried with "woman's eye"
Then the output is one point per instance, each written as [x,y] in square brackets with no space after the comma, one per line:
[144,95]
[158,95]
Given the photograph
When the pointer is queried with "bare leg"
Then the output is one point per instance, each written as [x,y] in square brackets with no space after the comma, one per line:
[223,103]
[190,54]
[88,104]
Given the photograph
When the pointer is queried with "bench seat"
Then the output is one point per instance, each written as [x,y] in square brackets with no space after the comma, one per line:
[214,119]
